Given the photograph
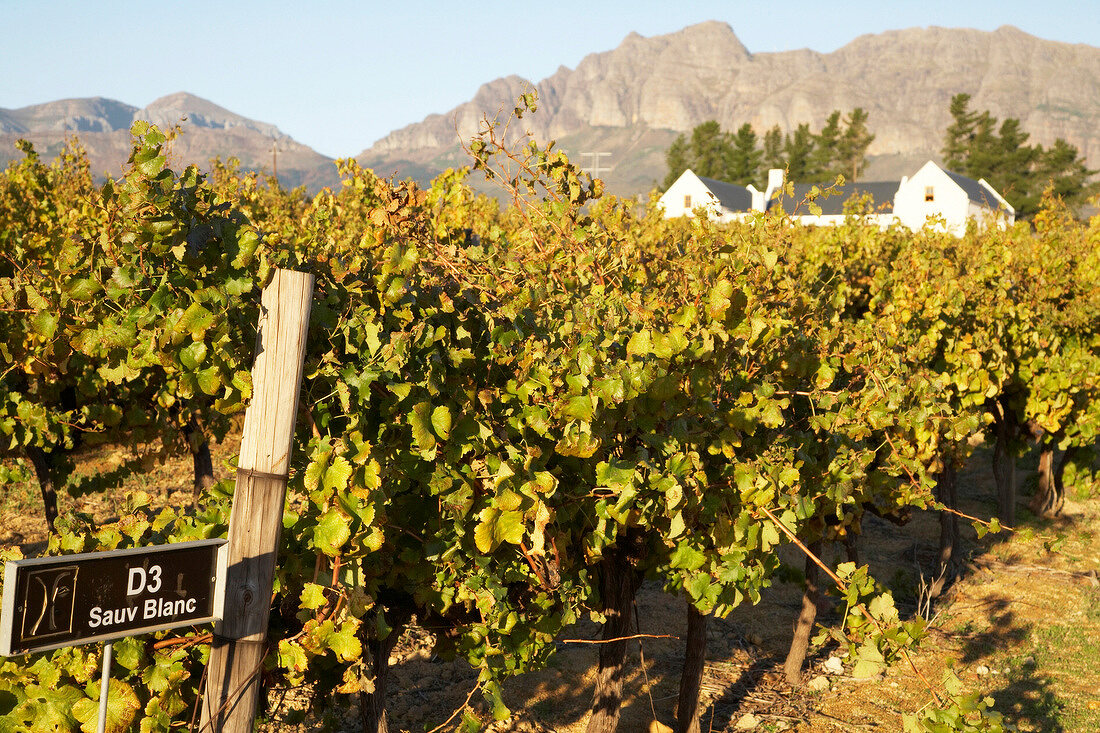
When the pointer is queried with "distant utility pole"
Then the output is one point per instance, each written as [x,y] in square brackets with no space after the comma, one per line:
[595,170]
[275,160]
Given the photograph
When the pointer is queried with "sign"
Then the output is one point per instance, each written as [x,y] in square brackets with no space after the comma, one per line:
[53,602]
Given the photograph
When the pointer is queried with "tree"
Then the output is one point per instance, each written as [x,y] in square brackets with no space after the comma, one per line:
[852,148]
[956,143]
[745,156]
[839,148]
[975,146]
[773,151]
[1061,168]
[824,163]
[983,150]
[707,153]
[710,150]
[1012,160]
[677,159]
[799,148]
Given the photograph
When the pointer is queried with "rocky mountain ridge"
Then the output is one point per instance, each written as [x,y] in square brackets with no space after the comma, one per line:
[633,100]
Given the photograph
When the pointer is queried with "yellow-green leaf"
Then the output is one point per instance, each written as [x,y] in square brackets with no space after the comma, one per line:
[331,532]
[337,474]
[44,324]
[344,642]
[313,596]
[639,344]
[441,421]
[420,422]
[122,707]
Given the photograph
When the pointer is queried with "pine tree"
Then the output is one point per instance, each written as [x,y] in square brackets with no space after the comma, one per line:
[983,149]
[956,141]
[707,153]
[824,163]
[773,152]
[798,148]
[677,160]
[745,156]
[853,144]
[1013,160]
[1061,168]
[710,150]
[974,146]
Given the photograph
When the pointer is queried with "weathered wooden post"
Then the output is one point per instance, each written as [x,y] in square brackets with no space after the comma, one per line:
[236,658]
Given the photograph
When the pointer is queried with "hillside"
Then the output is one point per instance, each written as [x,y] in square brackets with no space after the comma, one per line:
[207,131]
[633,101]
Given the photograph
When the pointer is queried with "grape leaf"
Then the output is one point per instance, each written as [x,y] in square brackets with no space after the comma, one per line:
[331,532]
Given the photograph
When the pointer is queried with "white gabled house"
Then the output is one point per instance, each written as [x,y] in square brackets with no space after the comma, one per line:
[723,201]
[935,193]
[948,200]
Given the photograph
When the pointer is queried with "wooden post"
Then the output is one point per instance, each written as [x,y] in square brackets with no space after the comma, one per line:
[236,658]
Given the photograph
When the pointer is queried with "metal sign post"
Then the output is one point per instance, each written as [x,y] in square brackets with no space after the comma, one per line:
[104,684]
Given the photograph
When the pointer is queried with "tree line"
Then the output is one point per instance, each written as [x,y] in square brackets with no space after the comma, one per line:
[975,146]
[743,157]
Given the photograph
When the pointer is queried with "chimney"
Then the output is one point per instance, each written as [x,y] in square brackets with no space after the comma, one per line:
[757,198]
[775,182]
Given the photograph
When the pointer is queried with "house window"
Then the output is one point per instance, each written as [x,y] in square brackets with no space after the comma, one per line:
[687,201]
[929,193]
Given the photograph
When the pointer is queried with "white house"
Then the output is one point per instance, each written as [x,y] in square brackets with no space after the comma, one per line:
[723,201]
[948,199]
[954,198]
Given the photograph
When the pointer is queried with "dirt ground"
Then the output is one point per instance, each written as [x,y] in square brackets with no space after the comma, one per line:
[1021,624]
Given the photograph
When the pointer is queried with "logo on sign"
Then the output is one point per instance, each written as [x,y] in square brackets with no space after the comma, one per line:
[48,602]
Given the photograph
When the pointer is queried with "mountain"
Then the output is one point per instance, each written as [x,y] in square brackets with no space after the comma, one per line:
[634,100]
[68,115]
[200,113]
[207,131]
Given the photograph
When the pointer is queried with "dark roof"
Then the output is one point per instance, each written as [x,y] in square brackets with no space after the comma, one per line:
[881,193]
[975,191]
[730,196]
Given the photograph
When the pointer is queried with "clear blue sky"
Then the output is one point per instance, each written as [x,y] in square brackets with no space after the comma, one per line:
[339,75]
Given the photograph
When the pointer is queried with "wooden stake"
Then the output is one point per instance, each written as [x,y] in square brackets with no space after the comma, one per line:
[236,657]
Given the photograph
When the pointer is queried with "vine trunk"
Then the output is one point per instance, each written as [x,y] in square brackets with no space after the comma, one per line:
[691,679]
[617,589]
[804,625]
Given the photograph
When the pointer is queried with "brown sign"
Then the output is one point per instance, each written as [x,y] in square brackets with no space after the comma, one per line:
[52,602]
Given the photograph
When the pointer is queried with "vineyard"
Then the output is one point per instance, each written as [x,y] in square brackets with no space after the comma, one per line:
[514,418]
